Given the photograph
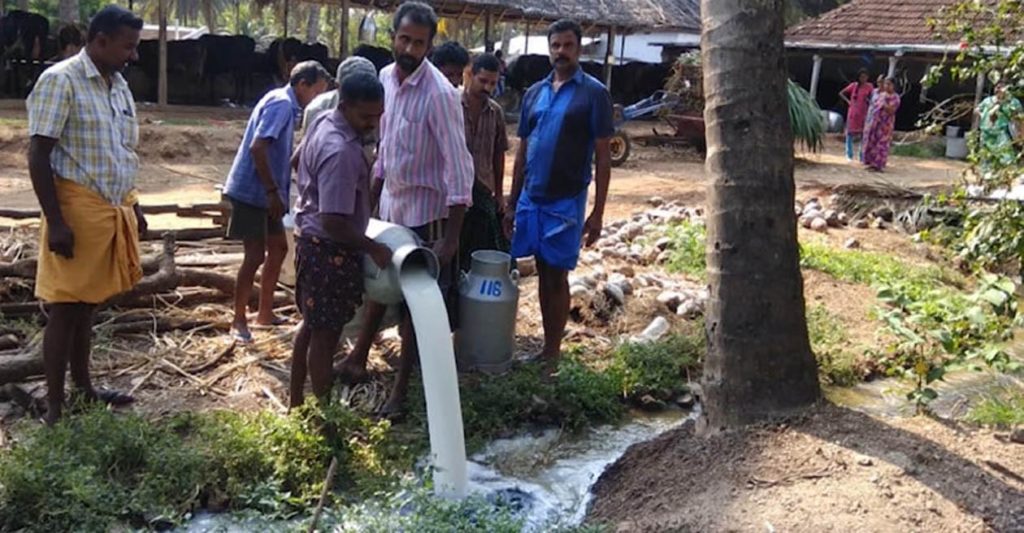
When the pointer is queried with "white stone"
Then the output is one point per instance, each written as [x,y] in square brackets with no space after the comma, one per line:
[688,309]
[663,243]
[615,293]
[654,331]
[656,201]
[819,224]
[851,244]
[670,298]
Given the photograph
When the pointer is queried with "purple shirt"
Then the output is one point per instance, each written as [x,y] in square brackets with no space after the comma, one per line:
[334,177]
[423,158]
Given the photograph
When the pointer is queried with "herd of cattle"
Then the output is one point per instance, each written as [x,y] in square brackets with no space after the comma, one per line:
[217,69]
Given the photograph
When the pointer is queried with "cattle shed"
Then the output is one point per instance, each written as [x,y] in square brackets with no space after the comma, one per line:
[890,37]
[610,17]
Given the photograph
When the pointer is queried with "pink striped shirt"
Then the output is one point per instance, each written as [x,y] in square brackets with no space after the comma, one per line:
[423,158]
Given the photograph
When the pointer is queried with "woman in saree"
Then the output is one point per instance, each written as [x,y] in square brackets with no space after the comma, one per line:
[856,96]
[999,117]
[883,121]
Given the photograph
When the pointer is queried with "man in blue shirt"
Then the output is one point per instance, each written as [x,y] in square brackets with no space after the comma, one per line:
[564,129]
[258,187]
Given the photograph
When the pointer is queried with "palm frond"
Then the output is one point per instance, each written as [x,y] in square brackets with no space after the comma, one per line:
[805,117]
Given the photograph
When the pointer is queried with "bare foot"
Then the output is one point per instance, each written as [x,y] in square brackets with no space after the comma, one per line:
[350,372]
[393,410]
[270,320]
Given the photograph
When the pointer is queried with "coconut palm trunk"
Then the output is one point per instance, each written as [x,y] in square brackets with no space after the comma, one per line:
[68,11]
[759,362]
[313,23]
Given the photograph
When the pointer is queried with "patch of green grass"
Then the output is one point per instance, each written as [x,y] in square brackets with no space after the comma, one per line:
[1002,411]
[98,468]
[836,365]
[870,268]
[658,369]
[924,150]
[686,253]
[527,397]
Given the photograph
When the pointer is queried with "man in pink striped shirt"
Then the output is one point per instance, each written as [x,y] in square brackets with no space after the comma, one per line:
[424,169]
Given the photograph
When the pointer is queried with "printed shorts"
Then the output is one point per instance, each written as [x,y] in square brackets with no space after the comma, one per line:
[328,283]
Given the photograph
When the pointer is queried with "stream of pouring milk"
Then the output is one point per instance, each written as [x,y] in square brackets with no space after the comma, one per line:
[440,380]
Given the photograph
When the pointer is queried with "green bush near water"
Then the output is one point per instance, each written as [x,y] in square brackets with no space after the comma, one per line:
[99,469]
[657,369]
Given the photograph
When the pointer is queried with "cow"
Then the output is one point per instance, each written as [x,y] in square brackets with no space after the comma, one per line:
[185,67]
[228,54]
[380,57]
[23,40]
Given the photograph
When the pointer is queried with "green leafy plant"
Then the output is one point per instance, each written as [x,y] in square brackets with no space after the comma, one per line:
[687,253]
[937,329]
[1003,411]
[657,369]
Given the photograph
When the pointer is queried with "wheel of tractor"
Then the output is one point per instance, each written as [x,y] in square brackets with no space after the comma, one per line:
[620,145]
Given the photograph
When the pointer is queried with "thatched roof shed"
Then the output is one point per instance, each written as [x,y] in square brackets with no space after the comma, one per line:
[625,15]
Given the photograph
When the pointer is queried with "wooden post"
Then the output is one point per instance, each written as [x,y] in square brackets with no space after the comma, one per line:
[343,45]
[609,58]
[285,19]
[815,76]
[161,87]
[526,38]
[979,92]
[622,47]
[488,42]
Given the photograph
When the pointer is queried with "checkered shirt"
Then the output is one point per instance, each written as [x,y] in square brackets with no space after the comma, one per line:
[95,126]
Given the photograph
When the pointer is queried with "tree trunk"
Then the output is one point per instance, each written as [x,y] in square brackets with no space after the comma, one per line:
[209,16]
[506,38]
[68,11]
[759,362]
[313,24]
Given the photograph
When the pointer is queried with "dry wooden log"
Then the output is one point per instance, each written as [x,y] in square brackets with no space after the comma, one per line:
[21,309]
[163,324]
[9,341]
[206,210]
[26,268]
[20,367]
[189,234]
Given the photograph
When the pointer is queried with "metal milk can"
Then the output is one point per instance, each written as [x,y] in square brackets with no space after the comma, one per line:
[488,299]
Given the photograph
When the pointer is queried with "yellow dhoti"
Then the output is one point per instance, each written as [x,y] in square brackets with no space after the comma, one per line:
[105,260]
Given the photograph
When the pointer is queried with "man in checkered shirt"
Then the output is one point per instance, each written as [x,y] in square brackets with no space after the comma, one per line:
[83,166]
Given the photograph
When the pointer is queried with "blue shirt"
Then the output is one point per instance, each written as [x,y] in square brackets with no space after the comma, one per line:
[273,118]
[561,127]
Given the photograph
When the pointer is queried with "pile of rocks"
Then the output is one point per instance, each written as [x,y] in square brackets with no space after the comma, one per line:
[815,217]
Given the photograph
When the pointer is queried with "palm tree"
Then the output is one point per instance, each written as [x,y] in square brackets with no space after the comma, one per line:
[186,11]
[68,11]
[313,23]
[759,361]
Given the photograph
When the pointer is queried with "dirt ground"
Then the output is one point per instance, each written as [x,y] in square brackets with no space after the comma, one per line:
[831,470]
[185,155]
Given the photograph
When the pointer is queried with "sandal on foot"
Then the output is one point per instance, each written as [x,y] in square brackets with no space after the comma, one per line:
[241,337]
[113,397]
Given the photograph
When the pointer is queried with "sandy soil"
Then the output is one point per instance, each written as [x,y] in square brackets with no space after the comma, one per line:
[186,155]
[832,470]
